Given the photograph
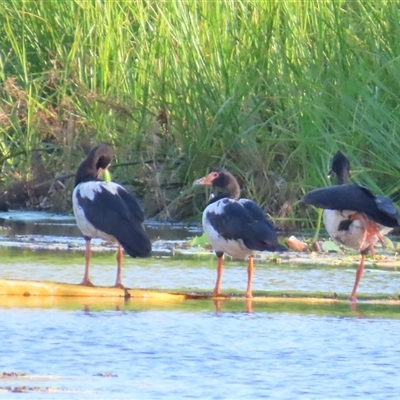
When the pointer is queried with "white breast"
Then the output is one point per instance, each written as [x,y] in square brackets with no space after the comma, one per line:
[87,189]
[351,237]
[235,248]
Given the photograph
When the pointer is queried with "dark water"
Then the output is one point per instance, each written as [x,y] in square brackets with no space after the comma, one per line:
[38,224]
[192,349]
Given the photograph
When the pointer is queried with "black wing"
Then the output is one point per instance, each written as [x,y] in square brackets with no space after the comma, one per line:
[354,198]
[245,220]
[132,204]
[387,206]
[118,213]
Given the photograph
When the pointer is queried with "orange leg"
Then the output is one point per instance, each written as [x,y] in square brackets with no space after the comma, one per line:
[363,239]
[373,231]
[220,269]
[250,272]
[359,274]
[370,231]
[88,253]
[120,257]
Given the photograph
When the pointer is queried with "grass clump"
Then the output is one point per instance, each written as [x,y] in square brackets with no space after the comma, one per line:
[269,89]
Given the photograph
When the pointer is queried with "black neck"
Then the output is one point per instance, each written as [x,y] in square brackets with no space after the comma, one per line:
[340,167]
[342,177]
[213,199]
[86,172]
[98,158]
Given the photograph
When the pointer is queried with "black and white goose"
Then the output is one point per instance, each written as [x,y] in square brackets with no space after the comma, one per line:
[106,210]
[353,216]
[236,227]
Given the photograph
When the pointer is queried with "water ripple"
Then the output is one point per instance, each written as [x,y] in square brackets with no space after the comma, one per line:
[169,354]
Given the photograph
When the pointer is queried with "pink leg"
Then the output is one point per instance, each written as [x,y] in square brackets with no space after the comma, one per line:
[88,253]
[220,269]
[373,231]
[250,272]
[370,231]
[363,239]
[359,274]
[120,257]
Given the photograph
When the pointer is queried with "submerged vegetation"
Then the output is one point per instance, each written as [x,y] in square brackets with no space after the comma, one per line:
[268,89]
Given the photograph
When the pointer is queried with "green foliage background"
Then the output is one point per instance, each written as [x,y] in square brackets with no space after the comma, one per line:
[270,89]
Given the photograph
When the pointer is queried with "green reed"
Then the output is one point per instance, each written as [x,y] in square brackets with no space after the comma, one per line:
[269,89]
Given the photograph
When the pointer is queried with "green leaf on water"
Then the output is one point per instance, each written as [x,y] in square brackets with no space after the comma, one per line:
[199,241]
[330,246]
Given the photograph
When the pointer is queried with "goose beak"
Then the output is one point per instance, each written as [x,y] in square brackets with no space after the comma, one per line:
[205,180]
[199,182]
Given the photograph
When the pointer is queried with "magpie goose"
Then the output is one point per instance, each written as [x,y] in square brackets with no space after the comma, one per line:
[235,226]
[107,211]
[353,216]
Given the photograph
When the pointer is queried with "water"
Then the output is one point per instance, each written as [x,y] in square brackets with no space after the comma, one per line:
[204,354]
[194,349]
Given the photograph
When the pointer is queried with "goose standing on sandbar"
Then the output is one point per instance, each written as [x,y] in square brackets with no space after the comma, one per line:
[236,227]
[353,216]
[106,210]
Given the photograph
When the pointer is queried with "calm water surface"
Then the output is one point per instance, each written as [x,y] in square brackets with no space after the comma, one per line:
[156,354]
[197,349]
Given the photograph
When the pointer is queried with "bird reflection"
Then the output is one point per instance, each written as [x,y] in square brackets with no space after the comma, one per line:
[248,302]
[354,308]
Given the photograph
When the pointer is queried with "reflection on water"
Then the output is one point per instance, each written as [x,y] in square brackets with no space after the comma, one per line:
[84,348]
[38,223]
